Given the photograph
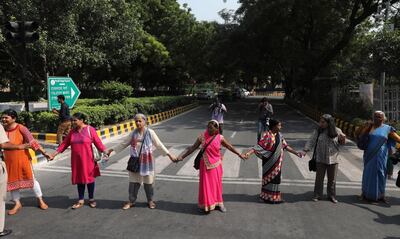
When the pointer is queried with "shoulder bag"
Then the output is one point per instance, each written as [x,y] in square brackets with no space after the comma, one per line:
[133,162]
[363,139]
[199,156]
[312,164]
[95,151]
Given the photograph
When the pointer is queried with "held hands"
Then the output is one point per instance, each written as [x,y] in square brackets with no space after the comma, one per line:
[243,156]
[108,153]
[51,156]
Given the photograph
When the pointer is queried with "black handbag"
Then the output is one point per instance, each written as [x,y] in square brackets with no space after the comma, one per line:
[362,142]
[312,164]
[199,156]
[398,180]
[363,139]
[133,162]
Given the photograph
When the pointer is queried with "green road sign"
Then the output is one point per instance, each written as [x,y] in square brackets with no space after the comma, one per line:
[61,86]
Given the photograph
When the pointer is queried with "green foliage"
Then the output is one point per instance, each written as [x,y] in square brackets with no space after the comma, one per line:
[351,108]
[107,114]
[45,121]
[115,91]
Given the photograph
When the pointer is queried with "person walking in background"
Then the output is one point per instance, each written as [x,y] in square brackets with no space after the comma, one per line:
[270,150]
[5,145]
[217,113]
[142,142]
[18,162]
[84,169]
[326,138]
[265,112]
[64,119]
[381,138]
[210,183]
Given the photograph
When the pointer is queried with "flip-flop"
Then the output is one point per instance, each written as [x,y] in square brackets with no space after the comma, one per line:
[128,205]
[92,204]
[77,205]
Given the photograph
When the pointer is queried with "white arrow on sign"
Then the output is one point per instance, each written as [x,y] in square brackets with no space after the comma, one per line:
[72,93]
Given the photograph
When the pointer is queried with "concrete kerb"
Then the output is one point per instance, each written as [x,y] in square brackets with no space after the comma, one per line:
[118,129]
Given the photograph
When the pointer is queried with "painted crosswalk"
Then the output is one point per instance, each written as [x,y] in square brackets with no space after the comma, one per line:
[350,167]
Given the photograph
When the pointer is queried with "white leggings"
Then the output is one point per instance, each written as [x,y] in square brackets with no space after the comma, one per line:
[16,196]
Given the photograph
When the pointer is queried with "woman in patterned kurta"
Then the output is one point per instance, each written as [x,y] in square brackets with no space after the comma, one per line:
[270,150]
[18,162]
[83,168]
[210,183]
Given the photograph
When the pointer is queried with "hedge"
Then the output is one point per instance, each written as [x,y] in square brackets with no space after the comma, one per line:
[99,113]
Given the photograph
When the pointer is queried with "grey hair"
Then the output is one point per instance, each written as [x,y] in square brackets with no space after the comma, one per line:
[381,113]
[142,116]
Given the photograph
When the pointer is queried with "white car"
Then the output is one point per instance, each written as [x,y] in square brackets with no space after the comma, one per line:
[242,93]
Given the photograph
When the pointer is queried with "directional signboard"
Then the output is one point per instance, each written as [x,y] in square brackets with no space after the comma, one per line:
[61,86]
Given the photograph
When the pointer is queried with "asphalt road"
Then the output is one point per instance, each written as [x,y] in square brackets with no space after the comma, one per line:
[176,188]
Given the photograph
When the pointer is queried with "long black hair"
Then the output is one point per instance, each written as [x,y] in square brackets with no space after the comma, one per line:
[332,133]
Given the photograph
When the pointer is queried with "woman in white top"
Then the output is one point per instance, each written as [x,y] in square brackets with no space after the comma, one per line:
[142,135]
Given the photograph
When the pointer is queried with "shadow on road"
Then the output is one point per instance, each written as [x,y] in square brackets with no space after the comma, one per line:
[177,207]
[64,202]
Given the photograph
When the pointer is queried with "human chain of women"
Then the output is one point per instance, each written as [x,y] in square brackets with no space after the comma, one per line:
[349,175]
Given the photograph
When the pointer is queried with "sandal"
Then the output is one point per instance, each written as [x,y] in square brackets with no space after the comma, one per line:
[42,205]
[92,203]
[152,205]
[77,205]
[128,205]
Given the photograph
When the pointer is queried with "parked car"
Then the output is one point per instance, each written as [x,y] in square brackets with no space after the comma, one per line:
[241,93]
[205,94]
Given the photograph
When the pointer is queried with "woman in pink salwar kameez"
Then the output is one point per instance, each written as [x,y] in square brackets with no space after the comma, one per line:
[84,169]
[210,171]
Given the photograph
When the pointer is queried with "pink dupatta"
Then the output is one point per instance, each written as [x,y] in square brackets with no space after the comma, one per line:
[212,155]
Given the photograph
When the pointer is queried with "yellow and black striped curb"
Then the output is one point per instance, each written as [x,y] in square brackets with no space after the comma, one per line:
[347,128]
[115,130]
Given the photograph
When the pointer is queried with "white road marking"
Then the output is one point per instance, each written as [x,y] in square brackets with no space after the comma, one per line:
[163,161]
[238,181]
[120,165]
[231,164]
[187,168]
[302,165]
[350,171]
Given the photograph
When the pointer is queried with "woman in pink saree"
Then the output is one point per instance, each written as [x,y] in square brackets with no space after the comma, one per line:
[210,171]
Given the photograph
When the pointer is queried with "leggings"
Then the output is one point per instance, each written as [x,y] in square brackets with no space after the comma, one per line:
[81,190]
[16,196]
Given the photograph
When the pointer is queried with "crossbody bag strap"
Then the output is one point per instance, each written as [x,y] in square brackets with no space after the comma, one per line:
[209,142]
[141,146]
[90,135]
[316,143]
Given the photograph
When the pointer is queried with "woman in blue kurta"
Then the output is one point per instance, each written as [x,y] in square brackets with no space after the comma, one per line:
[381,138]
